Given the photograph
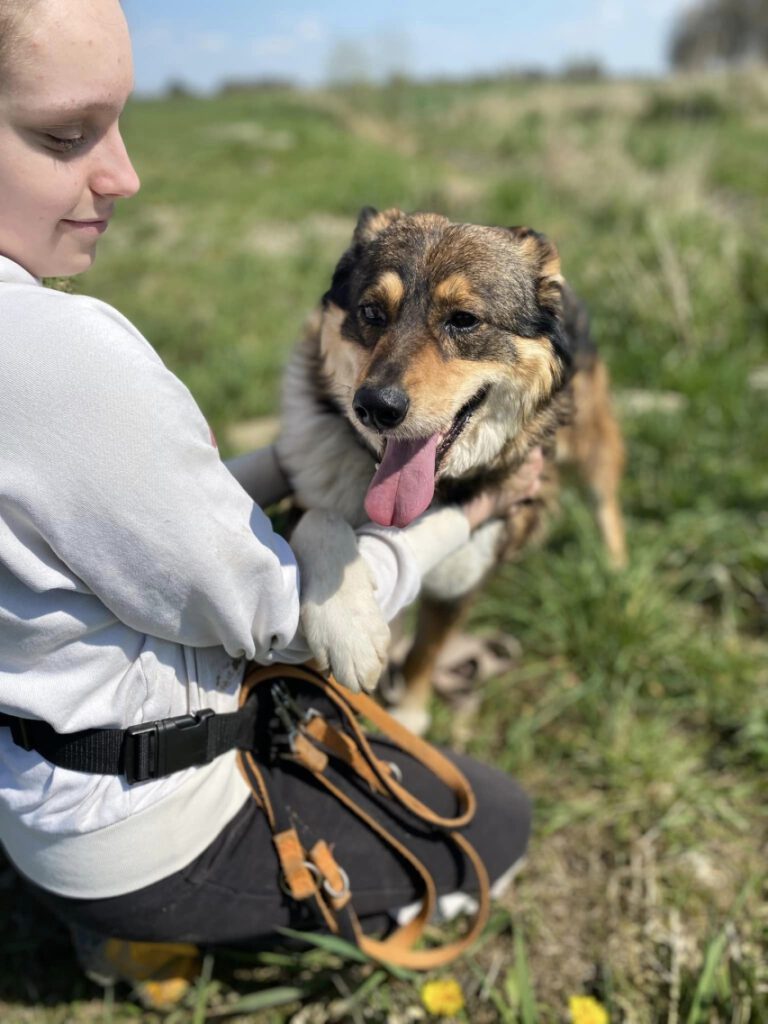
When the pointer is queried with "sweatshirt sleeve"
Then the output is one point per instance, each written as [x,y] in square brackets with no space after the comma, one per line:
[399,558]
[110,461]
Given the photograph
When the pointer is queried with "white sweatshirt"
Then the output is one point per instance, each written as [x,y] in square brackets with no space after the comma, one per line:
[137,576]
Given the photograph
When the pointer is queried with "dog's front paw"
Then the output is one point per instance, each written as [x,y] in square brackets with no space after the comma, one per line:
[341,621]
[356,654]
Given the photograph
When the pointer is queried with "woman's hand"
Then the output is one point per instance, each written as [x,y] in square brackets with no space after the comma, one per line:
[497,502]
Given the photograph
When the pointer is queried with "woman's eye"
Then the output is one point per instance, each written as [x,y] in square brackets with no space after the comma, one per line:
[64,144]
[373,315]
[462,321]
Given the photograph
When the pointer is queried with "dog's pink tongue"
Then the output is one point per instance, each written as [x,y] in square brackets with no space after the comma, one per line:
[404,482]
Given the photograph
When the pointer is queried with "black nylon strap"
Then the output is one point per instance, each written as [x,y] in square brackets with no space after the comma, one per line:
[147,751]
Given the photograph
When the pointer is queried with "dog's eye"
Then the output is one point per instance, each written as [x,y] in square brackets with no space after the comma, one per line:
[373,315]
[462,321]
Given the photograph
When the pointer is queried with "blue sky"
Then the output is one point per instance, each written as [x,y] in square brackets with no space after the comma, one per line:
[202,42]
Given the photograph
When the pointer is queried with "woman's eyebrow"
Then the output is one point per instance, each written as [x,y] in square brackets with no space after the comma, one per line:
[62,113]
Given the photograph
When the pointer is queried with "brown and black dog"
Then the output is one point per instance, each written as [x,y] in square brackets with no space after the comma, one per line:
[443,354]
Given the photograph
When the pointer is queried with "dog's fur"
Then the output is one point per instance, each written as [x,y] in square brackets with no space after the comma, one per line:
[394,321]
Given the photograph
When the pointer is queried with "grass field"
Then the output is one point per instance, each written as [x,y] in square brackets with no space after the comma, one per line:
[637,715]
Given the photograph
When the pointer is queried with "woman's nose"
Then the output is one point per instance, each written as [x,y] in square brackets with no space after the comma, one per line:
[114,174]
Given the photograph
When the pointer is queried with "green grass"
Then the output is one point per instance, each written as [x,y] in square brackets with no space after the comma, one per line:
[637,717]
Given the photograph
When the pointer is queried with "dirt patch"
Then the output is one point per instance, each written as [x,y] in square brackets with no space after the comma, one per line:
[285,238]
[251,133]
[256,433]
[640,402]
[605,915]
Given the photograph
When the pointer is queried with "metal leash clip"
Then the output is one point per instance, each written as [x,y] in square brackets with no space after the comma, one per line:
[292,716]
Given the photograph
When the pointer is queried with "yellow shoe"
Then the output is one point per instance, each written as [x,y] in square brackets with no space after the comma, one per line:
[160,973]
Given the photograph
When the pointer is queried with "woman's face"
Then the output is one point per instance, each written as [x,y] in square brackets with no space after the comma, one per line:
[63,163]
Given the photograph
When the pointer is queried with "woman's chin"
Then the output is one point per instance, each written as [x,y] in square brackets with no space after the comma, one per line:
[68,266]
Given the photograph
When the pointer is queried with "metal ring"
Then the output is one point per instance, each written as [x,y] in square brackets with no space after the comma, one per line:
[396,770]
[336,894]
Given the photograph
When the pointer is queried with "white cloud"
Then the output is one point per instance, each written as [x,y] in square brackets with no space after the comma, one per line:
[611,12]
[666,8]
[306,31]
[275,46]
[210,42]
[153,35]
[310,29]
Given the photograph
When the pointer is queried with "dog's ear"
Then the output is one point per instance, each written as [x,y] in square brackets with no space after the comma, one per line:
[338,293]
[545,263]
[371,223]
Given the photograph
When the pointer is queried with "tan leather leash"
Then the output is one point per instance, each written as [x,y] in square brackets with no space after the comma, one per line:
[315,874]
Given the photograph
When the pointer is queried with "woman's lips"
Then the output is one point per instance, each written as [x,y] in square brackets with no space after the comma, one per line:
[87,227]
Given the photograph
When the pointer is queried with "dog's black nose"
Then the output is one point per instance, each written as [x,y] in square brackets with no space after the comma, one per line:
[381,408]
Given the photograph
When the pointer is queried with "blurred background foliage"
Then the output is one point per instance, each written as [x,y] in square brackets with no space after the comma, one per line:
[637,714]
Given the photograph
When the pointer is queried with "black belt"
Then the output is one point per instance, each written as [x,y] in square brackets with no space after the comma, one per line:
[147,751]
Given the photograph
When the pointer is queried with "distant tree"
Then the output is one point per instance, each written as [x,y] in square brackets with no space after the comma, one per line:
[349,63]
[582,69]
[380,57]
[176,89]
[266,83]
[391,54]
[720,32]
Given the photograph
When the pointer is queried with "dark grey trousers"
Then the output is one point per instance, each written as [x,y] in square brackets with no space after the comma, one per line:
[230,894]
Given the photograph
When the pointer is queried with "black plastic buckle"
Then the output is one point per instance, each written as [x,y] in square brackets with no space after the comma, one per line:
[154,749]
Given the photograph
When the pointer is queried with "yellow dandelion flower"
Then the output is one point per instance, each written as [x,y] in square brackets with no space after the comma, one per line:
[586,1010]
[443,998]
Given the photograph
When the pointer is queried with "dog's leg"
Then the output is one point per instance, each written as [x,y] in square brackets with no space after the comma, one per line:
[342,623]
[596,446]
[446,595]
[436,620]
